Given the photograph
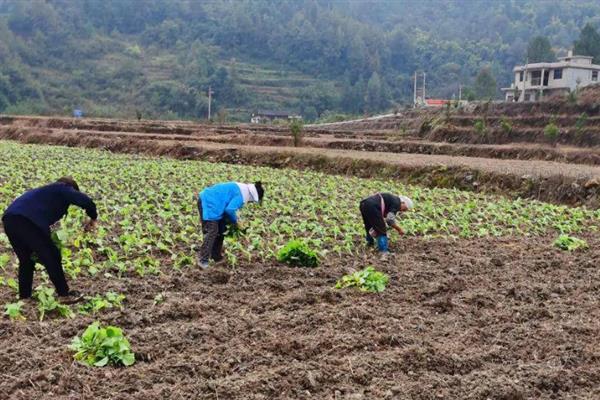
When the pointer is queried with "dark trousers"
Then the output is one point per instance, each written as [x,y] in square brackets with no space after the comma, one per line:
[214,235]
[26,239]
[372,218]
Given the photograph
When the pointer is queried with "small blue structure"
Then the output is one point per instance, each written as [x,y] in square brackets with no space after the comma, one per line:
[78,113]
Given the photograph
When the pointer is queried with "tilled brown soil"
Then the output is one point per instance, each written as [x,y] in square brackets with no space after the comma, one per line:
[509,318]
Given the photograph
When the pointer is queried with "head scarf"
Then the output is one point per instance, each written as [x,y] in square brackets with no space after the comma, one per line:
[407,201]
[249,192]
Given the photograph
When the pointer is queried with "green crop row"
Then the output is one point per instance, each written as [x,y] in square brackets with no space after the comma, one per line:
[148,216]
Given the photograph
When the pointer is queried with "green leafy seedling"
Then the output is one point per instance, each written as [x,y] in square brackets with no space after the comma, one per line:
[234,232]
[14,310]
[99,302]
[4,259]
[99,346]
[570,243]
[297,253]
[366,280]
[159,298]
[47,303]
[12,283]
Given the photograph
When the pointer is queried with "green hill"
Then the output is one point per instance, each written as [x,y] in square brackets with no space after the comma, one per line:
[158,57]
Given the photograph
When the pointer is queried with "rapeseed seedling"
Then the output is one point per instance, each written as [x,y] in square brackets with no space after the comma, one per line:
[14,310]
[366,280]
[297,253]
[570,243]
[99,346]
[47,303]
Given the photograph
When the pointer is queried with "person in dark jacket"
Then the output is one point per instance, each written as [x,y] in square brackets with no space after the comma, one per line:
[218,205]
[378,212]
[27,224]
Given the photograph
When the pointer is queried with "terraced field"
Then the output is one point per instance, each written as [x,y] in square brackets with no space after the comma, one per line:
[480,302]
[496,148]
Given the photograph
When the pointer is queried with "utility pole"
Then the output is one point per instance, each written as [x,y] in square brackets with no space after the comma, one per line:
[415,92]
[424,88]
[210,93]
[525,78]
[459,92]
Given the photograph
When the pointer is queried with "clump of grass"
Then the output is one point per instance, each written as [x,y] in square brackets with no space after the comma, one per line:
[506,125]
[480,127]
[580,123]
[551,131]
[426,126]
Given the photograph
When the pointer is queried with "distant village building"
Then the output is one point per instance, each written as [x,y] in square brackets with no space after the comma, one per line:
[265,117]
[439,103]
[534,81]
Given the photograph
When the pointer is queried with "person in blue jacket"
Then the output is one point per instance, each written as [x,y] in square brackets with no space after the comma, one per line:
[27,224]
[218,205]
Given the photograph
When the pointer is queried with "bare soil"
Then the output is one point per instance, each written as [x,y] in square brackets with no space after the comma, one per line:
[510,318]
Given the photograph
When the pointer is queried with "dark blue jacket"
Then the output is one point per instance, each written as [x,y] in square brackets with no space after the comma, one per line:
[46,205]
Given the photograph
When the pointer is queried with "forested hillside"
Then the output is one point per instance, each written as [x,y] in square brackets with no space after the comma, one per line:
[158,57]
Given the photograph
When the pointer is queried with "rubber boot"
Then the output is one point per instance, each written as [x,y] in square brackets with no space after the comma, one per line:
[370,240]
[382,243]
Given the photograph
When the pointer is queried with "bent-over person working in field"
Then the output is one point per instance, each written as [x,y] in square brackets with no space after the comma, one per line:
[218,206]
[378,212]
[27,223]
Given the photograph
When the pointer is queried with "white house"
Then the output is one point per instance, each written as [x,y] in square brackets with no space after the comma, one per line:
[267,116]
[533,81]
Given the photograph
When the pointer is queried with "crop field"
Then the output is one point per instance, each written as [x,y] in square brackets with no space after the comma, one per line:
[480,303]
[546,151]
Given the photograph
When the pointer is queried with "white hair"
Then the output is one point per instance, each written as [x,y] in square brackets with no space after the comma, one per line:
[407,201]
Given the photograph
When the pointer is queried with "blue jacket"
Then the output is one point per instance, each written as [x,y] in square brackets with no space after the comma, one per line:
[46,205]
[222,199]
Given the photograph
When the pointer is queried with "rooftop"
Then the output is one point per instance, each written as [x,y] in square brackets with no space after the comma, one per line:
[557,64]
[270,113]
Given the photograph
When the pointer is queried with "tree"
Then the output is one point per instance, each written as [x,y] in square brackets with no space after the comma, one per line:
[296,131]
[540,50]
[588,43]
[377,96]
[485,85]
